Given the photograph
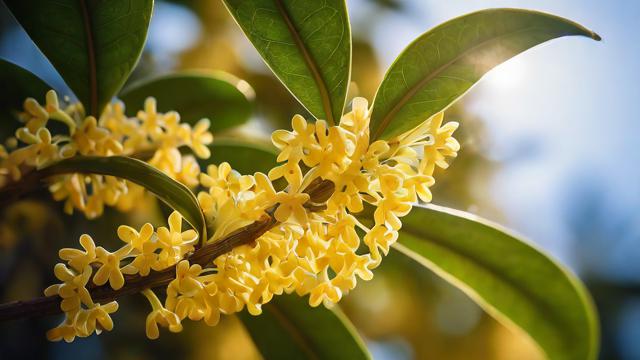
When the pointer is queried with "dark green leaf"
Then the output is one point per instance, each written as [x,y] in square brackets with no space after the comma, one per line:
[243,156]
[306,44]
[21,84]
[94,44]
[222,98]
[289,328]
[515,282]
[443,63]
[173,193]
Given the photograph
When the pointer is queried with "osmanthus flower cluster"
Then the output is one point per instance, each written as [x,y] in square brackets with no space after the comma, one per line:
[318,247]
[149,134]
[143,251]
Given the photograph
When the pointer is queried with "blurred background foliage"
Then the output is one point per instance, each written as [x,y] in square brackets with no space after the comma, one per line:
[404,313]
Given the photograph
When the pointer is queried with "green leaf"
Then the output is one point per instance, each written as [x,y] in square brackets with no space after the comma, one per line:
[94,44]
[443,63]
[173,193]
[289,328]
[220,97]
[512,280]
[244,156]
[24,84]
[306,44]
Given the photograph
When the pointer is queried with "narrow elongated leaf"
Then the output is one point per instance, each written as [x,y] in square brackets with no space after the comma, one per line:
[289,328]
[307,44]
[220,97]
[94,44]
[512,280]
[173,193]
[243,156]
[443,63]
[20,84]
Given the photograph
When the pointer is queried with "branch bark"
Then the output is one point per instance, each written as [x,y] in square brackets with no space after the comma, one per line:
[319,192]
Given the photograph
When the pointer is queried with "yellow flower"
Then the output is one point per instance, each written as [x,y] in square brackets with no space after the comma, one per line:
[189,172]
[73,289]
[88,136]
[419,184]
[160,316]
[134,238]
[185,281]
[109,269]
[96,318]
[441,146]
[174,242]
[72,189]
[167,159]
[79,259]
[113,133]
[66,331]
[291,206]
[293,144]
[42,150]
[201,138]
[144,261]
[12,163]
[151,121]
[216,178]
[35,115]
[54,112]
[222,180]
[186,293]
[290,171]
[325,291]
[164,318]
[379,238]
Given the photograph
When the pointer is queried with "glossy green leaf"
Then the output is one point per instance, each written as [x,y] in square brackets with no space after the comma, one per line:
[173,193]
[224,99]
[23,84]
[289,328]
[306,44]
[512,280]
[443,63]
[245,157]
[94,44]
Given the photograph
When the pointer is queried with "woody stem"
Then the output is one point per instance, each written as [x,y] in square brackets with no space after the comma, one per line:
[319,192]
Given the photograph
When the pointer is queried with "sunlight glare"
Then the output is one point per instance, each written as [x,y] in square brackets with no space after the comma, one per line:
[510,75]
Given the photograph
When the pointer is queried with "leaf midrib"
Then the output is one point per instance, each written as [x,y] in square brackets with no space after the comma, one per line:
[91,55]
[420,84]
[313,68]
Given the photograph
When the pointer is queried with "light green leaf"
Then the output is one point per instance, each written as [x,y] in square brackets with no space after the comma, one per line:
[23,84]
[94,44]
[443,63]
[306,44]
[512,280]
[220,97]
[244,156]
[289,328]
[173,193]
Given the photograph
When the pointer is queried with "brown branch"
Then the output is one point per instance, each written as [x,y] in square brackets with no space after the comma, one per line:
[319,192]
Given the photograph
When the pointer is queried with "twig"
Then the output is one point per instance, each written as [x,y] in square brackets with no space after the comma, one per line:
[319,191]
